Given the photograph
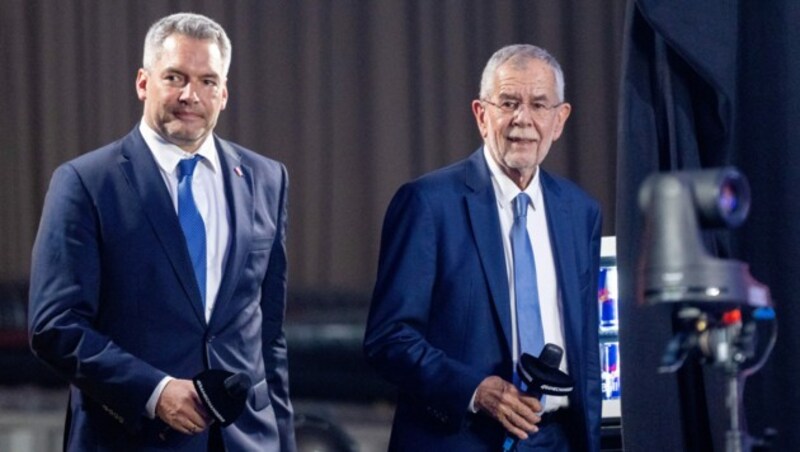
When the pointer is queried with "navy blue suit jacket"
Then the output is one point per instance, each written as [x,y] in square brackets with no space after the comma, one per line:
[114,306]
[440,320]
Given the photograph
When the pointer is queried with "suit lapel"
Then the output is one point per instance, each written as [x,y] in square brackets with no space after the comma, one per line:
[142,173]
[485,224]
[560,224]
[238,179]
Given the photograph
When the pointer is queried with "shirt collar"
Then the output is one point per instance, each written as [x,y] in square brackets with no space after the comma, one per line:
[168,155]
[505,189]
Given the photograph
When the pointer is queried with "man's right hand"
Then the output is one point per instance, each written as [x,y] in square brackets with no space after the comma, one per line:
[180,407]
[512,408]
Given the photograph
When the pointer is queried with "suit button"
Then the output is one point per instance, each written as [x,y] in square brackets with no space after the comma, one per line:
[211,339]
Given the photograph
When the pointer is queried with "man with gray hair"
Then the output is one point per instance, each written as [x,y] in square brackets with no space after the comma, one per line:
[160,259]
[485,260]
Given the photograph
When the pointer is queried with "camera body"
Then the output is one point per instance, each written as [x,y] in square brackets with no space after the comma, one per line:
[675,266]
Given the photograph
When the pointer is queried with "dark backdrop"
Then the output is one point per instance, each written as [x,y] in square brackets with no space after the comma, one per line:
[707,84]
[355,97]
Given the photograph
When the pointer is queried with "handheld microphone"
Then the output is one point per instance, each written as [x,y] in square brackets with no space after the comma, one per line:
[541,376]
[223,393]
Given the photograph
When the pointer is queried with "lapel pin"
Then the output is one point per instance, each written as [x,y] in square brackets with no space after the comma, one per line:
[238,171]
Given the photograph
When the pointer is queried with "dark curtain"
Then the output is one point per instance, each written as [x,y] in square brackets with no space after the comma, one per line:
[706,84]
[356,97]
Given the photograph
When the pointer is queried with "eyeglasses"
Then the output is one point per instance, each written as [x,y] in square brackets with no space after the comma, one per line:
[539,110]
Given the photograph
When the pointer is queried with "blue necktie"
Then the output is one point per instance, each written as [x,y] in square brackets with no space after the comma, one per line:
[529,317]
[194,229]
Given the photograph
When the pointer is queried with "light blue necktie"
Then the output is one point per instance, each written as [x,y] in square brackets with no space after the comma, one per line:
[194,229]
[529,317]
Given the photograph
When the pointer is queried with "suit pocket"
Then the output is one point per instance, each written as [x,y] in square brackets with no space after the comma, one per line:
[260,396]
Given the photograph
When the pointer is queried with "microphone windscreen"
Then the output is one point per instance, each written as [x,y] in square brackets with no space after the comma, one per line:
[551,355]
[541,375]
[238,385]
[223,393]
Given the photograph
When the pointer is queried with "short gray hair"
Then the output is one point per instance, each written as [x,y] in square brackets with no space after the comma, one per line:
[188,24]
[522,52]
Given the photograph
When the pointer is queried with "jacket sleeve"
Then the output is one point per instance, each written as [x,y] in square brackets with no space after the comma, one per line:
[64,303]
[395,341]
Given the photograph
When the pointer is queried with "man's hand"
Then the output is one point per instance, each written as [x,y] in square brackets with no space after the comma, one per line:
[504,402]
[180,407]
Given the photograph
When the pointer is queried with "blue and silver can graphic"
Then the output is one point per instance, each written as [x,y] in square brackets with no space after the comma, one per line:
[606,294]
[609,360]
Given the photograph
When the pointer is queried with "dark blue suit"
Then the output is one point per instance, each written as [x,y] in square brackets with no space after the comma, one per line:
[114,306]
[440,320]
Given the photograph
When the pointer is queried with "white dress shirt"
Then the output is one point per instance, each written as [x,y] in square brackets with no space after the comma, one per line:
[505,191]
[208,190]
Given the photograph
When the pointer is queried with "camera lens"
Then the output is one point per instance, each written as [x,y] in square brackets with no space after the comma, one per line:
[728,199]
[733,198]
